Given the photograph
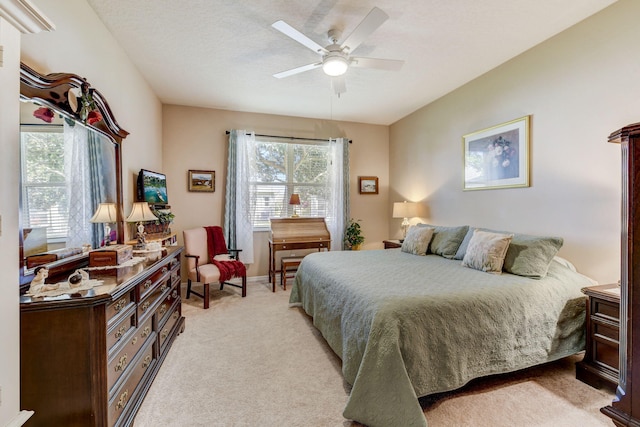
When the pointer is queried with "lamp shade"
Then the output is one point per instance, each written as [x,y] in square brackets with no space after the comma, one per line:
[106,213]
[140,212]
[405,209]
[335,65]
[295,199]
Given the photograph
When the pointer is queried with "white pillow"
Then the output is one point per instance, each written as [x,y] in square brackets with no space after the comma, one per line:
[417,240]
[486,251]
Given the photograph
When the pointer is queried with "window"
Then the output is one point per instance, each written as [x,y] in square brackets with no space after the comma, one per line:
[44,186]
[279,169]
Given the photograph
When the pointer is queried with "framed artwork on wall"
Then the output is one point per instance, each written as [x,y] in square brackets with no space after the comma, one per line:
[497,157]
[368,184]
[202,181]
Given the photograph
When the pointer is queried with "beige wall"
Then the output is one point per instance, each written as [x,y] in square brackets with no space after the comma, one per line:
[578,87]
[194,138]
[82,45]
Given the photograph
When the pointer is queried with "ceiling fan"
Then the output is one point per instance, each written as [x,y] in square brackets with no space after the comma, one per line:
[335,58]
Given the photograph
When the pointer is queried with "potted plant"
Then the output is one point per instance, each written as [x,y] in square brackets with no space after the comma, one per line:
[353,237]
[165,218]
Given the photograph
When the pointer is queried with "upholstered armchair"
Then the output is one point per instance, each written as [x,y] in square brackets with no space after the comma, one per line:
[200,243]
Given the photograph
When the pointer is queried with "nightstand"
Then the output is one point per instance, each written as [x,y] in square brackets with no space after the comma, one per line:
[391,244]
[600,366]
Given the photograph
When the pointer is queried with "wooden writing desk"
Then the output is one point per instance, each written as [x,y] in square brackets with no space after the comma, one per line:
[296,233]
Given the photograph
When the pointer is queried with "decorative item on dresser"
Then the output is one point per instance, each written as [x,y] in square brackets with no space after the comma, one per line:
[601,360]
[625,408]
[89,358]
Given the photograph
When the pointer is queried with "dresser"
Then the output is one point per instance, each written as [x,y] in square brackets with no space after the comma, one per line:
[88,359]
[600,366]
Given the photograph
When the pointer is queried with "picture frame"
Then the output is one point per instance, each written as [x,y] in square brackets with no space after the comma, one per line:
[368,184]
[202,181]
[497,157]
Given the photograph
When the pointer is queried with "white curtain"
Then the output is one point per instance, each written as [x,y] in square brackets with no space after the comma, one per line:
[339,181]
[237,224]
[77,171]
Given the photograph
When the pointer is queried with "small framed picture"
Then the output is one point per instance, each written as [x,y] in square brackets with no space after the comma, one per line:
[202,181]
[368,184]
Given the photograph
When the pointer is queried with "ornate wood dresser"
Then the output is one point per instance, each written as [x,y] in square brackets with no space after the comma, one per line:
[88,359]
[296,233]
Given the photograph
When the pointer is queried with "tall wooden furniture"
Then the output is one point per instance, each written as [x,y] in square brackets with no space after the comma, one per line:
[296,233]
[88,359]
[625,409]
[600,364]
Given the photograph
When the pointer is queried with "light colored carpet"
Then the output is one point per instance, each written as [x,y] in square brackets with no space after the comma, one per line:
[255,361]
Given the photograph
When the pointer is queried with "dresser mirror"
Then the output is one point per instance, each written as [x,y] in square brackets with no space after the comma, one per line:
[70,164]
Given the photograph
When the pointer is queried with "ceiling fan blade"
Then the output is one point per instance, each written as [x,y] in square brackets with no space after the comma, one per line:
[369,24]
[339,85]
[289,31]
[380,64]
[297,70]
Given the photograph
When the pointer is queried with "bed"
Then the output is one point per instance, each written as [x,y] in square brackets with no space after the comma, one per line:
[407,326]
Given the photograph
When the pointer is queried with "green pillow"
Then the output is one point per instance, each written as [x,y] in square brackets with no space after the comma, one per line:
[446,240]
[528,256]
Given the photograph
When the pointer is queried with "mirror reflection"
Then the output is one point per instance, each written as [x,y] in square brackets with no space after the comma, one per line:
[67,171]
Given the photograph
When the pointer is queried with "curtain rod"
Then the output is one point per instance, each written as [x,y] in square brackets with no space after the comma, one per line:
[292,137]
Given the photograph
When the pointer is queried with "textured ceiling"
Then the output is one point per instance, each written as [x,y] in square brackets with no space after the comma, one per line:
[223,53]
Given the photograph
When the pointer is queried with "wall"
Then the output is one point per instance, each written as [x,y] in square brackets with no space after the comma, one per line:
[82,45]
[578,87]
[9,160]
[194,138]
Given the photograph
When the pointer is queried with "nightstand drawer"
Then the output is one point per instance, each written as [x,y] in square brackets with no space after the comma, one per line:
[606,354]
[604,330]
[605,310]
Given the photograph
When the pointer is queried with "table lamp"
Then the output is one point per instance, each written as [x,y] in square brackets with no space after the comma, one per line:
[106,214]
[294,200]
[405,210]
[140,213]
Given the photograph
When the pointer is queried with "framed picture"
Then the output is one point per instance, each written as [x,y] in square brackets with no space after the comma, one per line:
[368,184]
[202,181]
[497,157]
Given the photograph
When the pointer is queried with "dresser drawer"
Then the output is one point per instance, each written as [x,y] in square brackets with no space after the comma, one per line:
[119,306]
[119,330]
[125,393]
[165,307]
[127,352]
[167,327]
[149,284]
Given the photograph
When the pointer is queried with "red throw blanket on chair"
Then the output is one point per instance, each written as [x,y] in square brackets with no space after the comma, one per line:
[217,246]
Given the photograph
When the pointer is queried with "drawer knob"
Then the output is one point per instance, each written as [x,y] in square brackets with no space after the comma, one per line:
[145,306]
[165,269]
[120,305]
[165,334]
[146,362]
[122,401]
[163,309]
[134,340]
[146,331]
[147,284]
[120,332]
[121,363]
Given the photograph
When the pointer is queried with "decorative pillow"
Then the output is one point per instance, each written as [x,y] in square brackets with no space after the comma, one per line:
[446,240]
[528,256]
[417,240]
[486,251]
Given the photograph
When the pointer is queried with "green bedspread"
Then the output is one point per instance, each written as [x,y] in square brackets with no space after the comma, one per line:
[407,326]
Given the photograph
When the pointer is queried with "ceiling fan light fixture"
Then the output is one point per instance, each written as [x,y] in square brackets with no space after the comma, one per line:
[335,66]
